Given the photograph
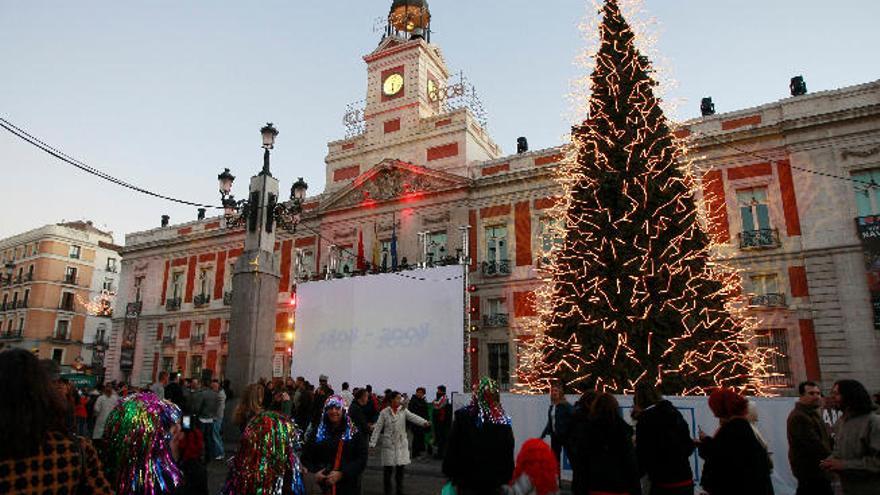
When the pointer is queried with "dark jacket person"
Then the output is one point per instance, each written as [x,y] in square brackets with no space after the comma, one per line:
[608,454]
[808,442]
[663,444]
[336,451]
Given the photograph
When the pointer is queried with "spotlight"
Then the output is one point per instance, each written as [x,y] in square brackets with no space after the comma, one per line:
[707,107]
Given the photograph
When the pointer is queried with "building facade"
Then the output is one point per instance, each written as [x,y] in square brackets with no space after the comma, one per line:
[418,163]
[58,300]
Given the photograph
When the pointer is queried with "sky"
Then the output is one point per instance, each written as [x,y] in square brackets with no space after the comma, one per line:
[165,94]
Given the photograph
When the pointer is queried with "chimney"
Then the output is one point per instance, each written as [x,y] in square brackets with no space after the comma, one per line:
[522,145]
[202,213]
[165,219]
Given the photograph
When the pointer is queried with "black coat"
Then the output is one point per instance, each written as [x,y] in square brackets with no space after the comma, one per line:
[577,433]
[419,407]
[174,393]
[608,457]
[664,444]
[318,456]
[356,413]
[478,458]
[735,461]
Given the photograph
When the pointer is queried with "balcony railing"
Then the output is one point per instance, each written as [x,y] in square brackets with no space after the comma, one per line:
[197,340]
[172,304]
[201,300]
[497,320]
[168,340]
[227,298]
[497,268]
[70,280]
[61,336]
[67,307]
[759,239]
[772,300]
[16,334]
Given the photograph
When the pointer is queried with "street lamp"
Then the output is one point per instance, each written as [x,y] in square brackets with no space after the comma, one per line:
[287,215]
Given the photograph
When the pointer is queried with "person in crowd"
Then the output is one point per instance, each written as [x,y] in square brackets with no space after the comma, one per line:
[535,471]
[608,456]
[304,412]
[251,404]
[335,451]
[356,411]
[346,394]
[394,453]
[856,454]
[103,405]
[226,385]
[418,406]
[268,394]
[663,443]
[298,388]
[322,393]
[372,409]
[81,414]
[267,461]
[205,403]
[735,462]
[558,420]
[386,398]
[174,392]
[282,402]
[809,442]
[577,433]
[37,455]
[442,419]
[479,454]
[216,440]
[158,387]
[187,448]
[324,382]
[138,457]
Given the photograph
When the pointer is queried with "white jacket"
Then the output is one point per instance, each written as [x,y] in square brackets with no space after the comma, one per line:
[391,427]
[103,406]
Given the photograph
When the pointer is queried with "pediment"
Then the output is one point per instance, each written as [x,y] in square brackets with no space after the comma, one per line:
[393,180]
[386,44]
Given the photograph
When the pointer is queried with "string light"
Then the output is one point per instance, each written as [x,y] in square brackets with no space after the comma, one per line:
[632,292]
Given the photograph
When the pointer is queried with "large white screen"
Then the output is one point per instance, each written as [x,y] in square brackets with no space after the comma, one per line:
[390,330]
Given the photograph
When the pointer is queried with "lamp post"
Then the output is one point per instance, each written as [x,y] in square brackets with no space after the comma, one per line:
[255,280]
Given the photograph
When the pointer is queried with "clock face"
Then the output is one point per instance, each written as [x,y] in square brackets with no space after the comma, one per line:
[392,85]
[432,90]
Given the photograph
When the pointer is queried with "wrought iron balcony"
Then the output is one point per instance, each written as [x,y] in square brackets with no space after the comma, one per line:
[496,321]
[168,340]
[497,268]
[197,340]
[11,335]
[61,336]
[70,280]
[772,300]
[227,298]
[201,300]
[759,239]
[67,307]
[172,304]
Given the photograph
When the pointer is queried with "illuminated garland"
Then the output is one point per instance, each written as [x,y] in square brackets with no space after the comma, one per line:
[633,291]
[100,305]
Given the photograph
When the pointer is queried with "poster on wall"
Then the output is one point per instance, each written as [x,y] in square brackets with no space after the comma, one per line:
[869,233]
[129,336]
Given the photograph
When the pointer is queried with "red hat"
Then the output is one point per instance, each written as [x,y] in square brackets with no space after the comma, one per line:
[726,403]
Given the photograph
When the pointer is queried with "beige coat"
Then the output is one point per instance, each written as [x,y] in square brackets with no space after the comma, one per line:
[391,428]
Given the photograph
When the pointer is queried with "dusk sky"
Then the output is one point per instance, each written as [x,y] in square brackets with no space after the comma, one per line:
[164,94]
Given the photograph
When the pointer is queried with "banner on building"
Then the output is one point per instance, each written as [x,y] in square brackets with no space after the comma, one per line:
[869,233]
[129,336]
[277,366]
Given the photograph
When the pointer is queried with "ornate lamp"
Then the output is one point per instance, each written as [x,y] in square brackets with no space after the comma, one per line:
[410,16]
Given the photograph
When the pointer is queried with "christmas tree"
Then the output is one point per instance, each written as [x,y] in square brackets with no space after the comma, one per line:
[633,292]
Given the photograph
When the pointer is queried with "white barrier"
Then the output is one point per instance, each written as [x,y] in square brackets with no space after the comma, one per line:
[529,415]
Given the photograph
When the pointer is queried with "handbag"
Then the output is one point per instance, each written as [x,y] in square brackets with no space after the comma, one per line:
[448,489]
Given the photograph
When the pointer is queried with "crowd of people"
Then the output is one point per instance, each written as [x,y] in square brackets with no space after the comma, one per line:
[296,438]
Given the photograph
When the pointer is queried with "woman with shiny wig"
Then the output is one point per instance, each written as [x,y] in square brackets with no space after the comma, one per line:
[137,437]
[267,462]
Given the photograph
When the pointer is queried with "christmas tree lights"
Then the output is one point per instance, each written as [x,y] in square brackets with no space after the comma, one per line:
[633,292]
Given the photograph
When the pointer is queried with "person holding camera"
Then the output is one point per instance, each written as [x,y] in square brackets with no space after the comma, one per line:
[335,452]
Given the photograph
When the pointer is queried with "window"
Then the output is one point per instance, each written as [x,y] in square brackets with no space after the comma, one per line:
[764,284]
[499,364]
[57,355]
[496,306]
[753,208]
[62,330]
[30,272]
[171,332]
[549,236]
[204,280]
[866,191]
[67,301]
[27,295]
[20,325]
[111,264]
[168,364]
[346,259]
[70,275]
[74,252]
[14,299]
[436,244]
[108,285]
[385,254]
[496,243]
[138,287]
[176,285]
[20,273]
[101,333]
[34,249]
[777,340]
[195,366]
[199,331]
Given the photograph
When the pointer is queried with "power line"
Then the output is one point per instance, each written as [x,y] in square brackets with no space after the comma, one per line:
[55,152]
